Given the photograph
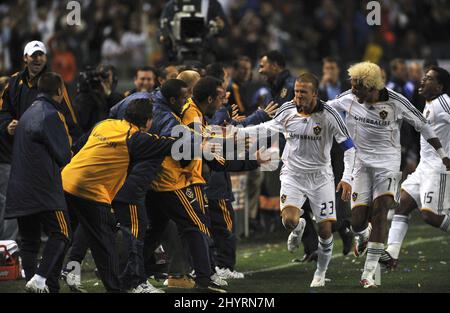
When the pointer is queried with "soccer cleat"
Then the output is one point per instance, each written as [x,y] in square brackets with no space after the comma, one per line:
[226,273]
[32,287]
[368,283]
[295,237]
[318,280]
[307,258]
[360,247]
[146,288]
[182,282]
[218,281]
[73,281]
[388,261]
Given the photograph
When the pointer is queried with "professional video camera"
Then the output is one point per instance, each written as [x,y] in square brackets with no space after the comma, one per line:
[91,79]
[189,30]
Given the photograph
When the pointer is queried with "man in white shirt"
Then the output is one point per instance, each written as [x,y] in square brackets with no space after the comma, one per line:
[426,188]
[309,126]
[374,115]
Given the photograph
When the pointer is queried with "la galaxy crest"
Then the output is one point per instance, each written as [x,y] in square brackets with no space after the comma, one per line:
[383,114]
[317,130]
[354,196]
[189,193]
[283,198]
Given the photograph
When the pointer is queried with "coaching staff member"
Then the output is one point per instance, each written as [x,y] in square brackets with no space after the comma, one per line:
[35,195]
[19,94]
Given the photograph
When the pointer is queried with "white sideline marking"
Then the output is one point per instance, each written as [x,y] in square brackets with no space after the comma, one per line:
[339,255]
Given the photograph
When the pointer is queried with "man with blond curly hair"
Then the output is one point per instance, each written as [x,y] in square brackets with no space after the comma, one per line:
[374,115]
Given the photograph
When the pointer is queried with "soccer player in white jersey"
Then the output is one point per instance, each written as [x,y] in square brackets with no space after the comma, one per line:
[309,126]
[374,116]
[425,188]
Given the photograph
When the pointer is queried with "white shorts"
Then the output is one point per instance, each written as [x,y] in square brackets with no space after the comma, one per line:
[370,183]
[429,190]
[318,187]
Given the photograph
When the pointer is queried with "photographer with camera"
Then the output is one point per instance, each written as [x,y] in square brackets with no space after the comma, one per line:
[189,29]
[112,96]
[91,104]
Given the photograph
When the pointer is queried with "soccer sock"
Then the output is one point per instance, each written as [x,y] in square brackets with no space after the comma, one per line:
[325,251]
[397,232]
[40,281]
[374,251]
[296,229]
[364,233]
[299,226]
[445,226]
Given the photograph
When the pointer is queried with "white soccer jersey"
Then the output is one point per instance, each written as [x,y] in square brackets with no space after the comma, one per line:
[308,138]
[437,113]
[375,128]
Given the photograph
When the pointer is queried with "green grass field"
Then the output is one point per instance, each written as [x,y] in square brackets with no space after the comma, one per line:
[424,267]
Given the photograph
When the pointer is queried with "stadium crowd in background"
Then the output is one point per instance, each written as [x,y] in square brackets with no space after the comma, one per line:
[116,60]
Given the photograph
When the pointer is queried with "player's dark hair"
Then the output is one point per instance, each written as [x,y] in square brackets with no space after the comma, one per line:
[443,78]
[146,69]
[172,88]
[309,78]
[215,70]
[275,57]
[206,87]
[429,63]
[139,111]
[49,83]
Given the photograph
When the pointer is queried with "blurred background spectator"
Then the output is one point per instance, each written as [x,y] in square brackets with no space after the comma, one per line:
[125,33]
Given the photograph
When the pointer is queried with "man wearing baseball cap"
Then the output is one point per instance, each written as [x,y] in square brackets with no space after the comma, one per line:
[19,94]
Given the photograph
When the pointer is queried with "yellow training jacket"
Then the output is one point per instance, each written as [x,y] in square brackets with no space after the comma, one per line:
[173,175]
[99,169]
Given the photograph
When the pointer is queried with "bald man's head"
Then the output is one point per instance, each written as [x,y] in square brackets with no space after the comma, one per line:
[190,77]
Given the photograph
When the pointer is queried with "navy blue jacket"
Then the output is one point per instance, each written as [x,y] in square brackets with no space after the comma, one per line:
[41,148]
[118,110]
[219,182]
[141,174]
[16,99]
[164,119]
[282,87]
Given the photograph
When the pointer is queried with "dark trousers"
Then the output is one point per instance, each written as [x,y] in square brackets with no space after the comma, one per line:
[56,225]
[79,246]
[222,217]
[133,224]
[99,225]
[188,209]
[179,263]
[310,238]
